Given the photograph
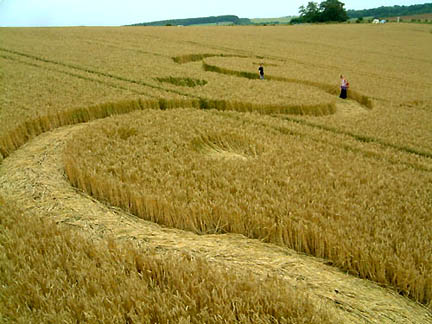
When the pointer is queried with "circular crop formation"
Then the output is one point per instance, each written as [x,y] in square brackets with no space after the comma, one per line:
[266,93]
[271,66]
[207,171]
[240,83]
[210,172]
[272,90]
[301,85]
[227,172]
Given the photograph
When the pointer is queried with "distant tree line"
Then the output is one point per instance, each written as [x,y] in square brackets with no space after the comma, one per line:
[392,11]
[328,10]
[313,12]
[199,21]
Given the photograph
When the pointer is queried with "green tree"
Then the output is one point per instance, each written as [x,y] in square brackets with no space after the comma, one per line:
[311,13]
[328,10]
[333,10]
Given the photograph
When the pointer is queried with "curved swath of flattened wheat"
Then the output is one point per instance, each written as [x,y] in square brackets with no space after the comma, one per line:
[188,58]
[12,140]
[36,171]
[331,89]
[206,173]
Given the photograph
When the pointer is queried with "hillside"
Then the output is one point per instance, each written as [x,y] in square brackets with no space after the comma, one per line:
[412,18]
[392,11]
[230,19]
[272,21]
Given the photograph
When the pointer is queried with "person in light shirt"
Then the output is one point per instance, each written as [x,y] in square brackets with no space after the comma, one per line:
[344,87]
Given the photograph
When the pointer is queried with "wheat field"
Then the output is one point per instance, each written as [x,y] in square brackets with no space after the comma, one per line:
[117,283]
[181,132]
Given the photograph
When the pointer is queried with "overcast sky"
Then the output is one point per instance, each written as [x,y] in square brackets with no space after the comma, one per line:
[123,12]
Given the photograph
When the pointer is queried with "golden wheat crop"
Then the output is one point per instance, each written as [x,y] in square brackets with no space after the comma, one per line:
[339,180]
[407,126]
[48,92]
[216,173]
[380,62]
[50,274]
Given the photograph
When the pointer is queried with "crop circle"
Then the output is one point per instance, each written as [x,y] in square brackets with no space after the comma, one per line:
[210,172]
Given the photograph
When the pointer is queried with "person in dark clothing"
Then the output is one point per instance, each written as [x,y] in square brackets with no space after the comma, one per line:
[261,72]
[344,87]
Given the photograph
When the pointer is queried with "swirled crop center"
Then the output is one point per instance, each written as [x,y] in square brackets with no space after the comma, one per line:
[190,169]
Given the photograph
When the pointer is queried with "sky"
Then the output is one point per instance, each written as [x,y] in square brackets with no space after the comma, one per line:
[35,13]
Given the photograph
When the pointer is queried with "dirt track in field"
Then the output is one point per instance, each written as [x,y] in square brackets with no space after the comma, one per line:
[33,177]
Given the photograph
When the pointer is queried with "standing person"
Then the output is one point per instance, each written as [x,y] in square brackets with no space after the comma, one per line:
[344,87]
[261,71]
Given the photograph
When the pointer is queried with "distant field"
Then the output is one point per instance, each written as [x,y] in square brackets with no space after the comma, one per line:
[282,20]
[222,23]
[174,126]
[422,17]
